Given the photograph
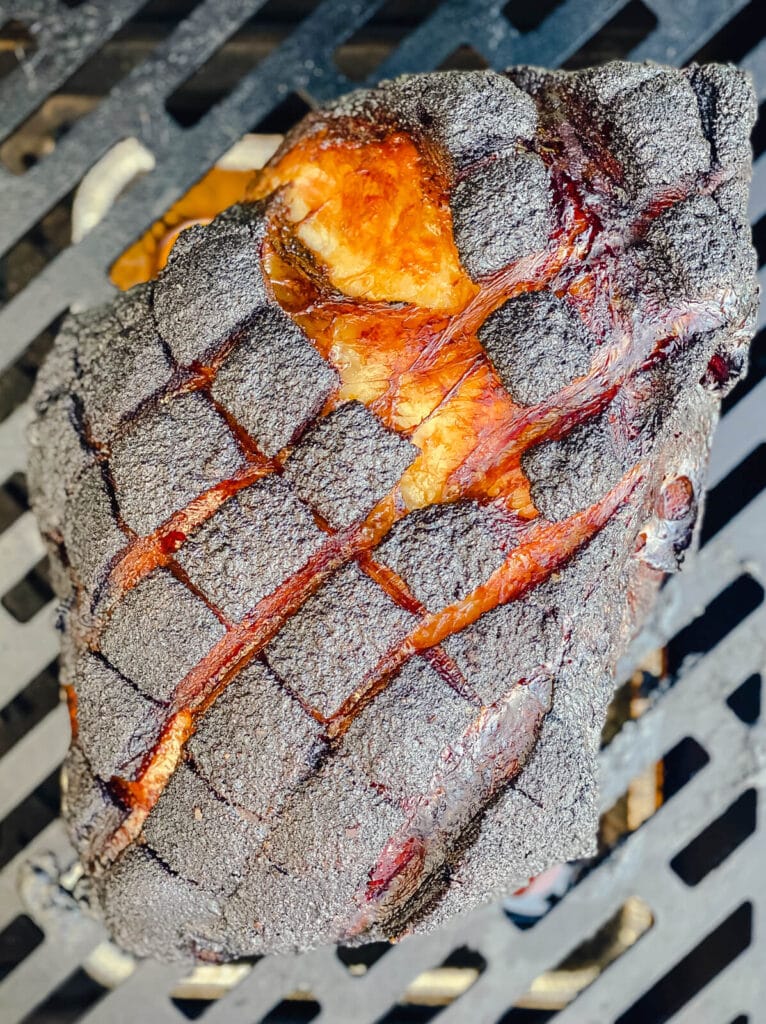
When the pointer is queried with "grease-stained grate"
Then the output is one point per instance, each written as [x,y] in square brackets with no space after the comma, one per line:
[684,889]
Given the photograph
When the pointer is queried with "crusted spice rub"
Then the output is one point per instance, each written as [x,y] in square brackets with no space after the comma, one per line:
[353,509]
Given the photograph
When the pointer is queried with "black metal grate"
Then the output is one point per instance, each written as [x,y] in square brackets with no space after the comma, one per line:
[685,887]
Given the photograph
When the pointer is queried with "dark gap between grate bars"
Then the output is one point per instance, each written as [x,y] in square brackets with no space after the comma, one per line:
[734,493]
[31,594]
[526,17]
[718,841]
[629,27]
[618,935]
[745,702]
[17,44]
[42,131]
[17,940]
[242,51]
[29,707]
[29,817]
[716,951]
[378,37]
[77,994]
[36,249]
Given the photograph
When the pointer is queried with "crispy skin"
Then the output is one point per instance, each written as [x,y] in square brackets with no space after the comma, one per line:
[355,507]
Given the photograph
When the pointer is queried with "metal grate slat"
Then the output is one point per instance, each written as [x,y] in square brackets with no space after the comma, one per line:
[65,41]
[33,758]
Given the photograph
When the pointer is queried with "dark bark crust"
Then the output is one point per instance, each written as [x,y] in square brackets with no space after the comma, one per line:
[271,834]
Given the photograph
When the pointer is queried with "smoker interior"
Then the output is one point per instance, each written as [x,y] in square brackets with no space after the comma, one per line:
[664,924]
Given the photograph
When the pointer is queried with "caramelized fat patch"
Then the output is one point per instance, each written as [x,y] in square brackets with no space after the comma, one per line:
[377,218]
[360,253]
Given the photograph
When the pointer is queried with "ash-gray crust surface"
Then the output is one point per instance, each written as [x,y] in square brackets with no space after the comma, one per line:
[256,742]
[347,463]
[210,286]
[501,212]
[276,818]
[564,473]
[443,552]
[196,834]
[123,345]
[694,249]
[89,531]
[470,115]
[257,382]
[424,715]
[135,720]
[169,455]
[538,344]
[158,633]
[254,542]
[324,650]
[652,119]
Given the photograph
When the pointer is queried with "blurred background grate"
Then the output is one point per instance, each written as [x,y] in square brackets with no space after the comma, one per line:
[667,922]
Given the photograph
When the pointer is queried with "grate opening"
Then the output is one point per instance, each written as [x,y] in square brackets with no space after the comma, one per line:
[637,805]
[758,138]
[629,27]
[631,700]
[214,80]
[29,707]
[29,818]
[31,594]
[745,702]
[587,961]
[522,1015]
[16,44]
[735,38]
[359,959]
[659,785]
[720,948]
[38,136]
[379,36]
[759,240]
[130,46]
[429,993]
[284,116]
[14,500]
[24,261]
[464,58]
[755,375]
[17,381]
[193,1009]
[20,938]
[292,1011]
[466,958]
[286,13]
[744,483]
[618,712]
[722,615]
[404,1013]
[718,841]
[526,16]
[67,1003]
[679,766]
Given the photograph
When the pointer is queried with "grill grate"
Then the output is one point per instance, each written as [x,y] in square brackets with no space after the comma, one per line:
[689,880]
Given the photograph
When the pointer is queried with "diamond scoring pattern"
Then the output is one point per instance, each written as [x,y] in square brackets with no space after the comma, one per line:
[439,38]
[204,589]
[181,421]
